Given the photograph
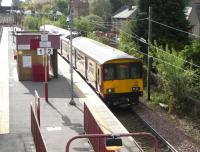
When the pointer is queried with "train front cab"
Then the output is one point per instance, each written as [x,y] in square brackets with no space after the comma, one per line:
[122,82]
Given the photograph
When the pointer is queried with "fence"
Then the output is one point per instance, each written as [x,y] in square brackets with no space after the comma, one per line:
[35,126]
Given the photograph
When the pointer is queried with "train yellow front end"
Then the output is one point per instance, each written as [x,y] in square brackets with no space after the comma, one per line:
[122,82]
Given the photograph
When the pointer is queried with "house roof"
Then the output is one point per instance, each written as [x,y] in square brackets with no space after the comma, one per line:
[188,11]
[126,12]
[198,11]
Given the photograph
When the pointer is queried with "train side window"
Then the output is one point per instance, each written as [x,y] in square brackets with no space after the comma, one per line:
[136,70]
[109,72]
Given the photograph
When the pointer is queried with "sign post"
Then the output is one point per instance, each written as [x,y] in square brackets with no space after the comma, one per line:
[45,50]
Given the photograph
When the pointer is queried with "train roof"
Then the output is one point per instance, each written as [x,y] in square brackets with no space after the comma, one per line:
[56,30]
[99,51]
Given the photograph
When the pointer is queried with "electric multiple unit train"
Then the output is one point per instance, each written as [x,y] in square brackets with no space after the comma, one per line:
[115,75]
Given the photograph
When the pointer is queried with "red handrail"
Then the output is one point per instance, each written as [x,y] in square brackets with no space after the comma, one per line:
[37,106]
[155,147]
[37,136]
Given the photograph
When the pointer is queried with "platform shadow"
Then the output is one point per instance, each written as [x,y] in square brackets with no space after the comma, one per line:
[57,88]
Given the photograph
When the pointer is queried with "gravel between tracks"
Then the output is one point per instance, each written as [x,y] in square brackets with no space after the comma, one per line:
[161,122]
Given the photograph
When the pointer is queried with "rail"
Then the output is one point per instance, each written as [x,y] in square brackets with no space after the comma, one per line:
[155,145]
[157,134]
[35,127]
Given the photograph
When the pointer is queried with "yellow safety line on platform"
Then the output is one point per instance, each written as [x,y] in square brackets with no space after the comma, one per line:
[4,84]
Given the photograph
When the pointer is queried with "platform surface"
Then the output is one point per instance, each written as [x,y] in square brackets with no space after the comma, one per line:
[60,121]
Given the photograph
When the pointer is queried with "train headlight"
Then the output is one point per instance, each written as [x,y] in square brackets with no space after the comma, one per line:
[136,88]
[110,90]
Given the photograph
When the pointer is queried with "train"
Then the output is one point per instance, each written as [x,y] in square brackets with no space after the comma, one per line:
[115,75]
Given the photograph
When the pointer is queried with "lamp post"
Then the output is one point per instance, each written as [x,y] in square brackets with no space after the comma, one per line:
[72,102]
[45,63]
[115,143]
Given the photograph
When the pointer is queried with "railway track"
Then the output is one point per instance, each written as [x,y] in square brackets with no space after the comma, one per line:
[134,123]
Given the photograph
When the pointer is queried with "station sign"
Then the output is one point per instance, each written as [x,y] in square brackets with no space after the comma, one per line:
[44,44]
[44,37]
[44,51]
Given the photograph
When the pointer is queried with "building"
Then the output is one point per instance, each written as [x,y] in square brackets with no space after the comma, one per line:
[30,48]
[193,15]
[122,15]
[80,8]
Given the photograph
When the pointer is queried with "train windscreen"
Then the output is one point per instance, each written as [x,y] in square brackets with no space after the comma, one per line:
[109,72]
[135,70]
[122,71]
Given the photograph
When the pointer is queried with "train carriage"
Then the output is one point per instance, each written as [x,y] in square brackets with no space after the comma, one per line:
[115,75]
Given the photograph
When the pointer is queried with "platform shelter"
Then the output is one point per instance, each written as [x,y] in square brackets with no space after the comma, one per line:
[32,48]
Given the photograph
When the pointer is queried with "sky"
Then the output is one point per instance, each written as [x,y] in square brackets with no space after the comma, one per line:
[7,2]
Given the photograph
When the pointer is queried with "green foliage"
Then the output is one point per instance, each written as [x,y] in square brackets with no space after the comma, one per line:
[101,39]
[62,6]
[192,53]
[26,5]
[89,23]
[126,42]
[46,8]
[168,12]
[62,22]
[31,23]
[175,81]
[101,8]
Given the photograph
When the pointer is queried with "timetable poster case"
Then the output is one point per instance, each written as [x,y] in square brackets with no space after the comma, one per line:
[27,61]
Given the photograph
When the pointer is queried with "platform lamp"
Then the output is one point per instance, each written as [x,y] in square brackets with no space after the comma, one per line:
[72,102]
[113,143]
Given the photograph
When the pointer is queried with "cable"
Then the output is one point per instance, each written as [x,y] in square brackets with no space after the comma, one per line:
[110,23]
[139,38]
[175,28]
[144,41]
[166,62]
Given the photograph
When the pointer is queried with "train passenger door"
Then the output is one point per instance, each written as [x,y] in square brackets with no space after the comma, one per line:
[98,78]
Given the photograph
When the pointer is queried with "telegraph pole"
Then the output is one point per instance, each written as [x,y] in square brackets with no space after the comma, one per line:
[149,58]
[72,102]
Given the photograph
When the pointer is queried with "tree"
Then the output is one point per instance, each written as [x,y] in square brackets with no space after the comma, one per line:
[101,8]
[177,80]
[62,6]
[89,23]
[192,54]
[126,42]
[102,39]
[31,23]
[61,22]
[170,13]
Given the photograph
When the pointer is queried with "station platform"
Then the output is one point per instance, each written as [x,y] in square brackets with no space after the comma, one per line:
[60,121]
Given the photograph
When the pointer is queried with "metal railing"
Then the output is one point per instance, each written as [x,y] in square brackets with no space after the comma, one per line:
[147,135]
[35,126]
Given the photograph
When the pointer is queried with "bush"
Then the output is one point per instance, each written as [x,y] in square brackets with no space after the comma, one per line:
[176,79]
[31,23]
